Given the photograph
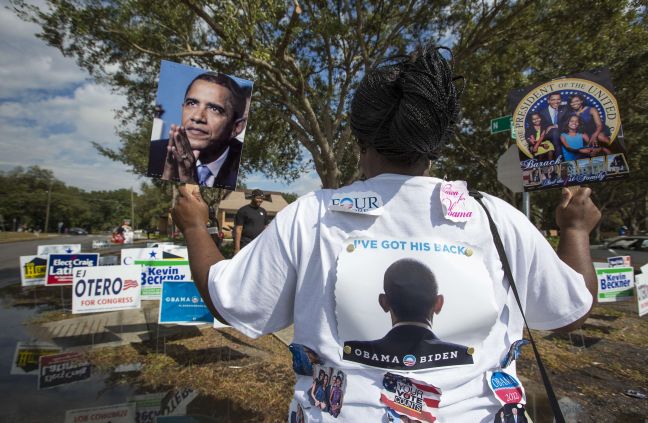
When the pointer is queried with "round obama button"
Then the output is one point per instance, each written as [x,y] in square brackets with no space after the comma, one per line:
[347,349]
[350,248]
[470,350]
[469,252]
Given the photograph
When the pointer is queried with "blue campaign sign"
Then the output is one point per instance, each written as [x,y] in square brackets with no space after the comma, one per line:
[181,303]
[59,267]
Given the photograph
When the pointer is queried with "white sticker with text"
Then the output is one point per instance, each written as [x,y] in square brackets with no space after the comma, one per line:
[357,202]
[453,201]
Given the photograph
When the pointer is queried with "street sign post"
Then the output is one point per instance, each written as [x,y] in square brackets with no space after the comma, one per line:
[501,124]
[508,173]
[508,169]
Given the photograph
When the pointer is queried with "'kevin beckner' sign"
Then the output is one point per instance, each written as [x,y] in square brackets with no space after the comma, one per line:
[615,283]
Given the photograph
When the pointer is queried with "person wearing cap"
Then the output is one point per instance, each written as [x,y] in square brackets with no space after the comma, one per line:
[250,221]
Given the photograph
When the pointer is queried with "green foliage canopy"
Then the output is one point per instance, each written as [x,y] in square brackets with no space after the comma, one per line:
[307,56]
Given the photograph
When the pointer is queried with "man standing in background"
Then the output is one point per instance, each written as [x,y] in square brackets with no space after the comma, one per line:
[250,221]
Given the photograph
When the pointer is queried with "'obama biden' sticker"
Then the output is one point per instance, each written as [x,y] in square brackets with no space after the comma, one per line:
[400,304]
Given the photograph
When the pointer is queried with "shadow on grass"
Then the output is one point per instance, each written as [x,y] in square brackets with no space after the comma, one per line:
[186,357]
[576,339]
[222,410]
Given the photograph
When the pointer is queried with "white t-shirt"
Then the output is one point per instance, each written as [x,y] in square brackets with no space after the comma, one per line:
[322,270]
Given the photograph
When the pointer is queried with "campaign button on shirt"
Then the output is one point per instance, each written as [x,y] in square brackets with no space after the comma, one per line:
[506,387]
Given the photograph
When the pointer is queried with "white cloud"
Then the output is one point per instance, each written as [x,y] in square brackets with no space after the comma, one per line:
[50,112]
[27,63]
[56,133]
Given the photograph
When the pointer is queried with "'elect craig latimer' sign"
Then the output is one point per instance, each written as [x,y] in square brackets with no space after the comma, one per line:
[60,266]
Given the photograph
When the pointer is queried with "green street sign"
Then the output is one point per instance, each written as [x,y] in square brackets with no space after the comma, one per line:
[501,124]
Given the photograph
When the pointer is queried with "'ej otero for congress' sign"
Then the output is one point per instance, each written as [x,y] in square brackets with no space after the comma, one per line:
[615,283]
[106,288]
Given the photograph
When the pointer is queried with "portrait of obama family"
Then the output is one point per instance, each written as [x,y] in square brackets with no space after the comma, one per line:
[199,125]
[571,131]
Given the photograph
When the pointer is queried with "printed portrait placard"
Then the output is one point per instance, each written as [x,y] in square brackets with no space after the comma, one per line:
[33,270]
[388,290]
[568,131]
[106,288]
[199,126]
[60,266]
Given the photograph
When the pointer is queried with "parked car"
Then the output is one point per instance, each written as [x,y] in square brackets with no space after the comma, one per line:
[635,246]
[77,231]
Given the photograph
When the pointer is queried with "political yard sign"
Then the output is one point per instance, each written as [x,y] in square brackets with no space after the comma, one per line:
[61,369]
[33,270]
[157,266]
[641,285]
[568,131]
[60,266]
[147,406]
[25,361]
[58,249]
[181,304]
[106,288]
[615,283]
[118,413]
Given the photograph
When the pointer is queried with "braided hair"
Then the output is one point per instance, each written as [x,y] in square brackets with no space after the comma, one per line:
[406,111]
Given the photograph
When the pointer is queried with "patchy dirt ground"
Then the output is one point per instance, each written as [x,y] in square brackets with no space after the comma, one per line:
[590,369]
[239,379]
[593,367]
[248,380]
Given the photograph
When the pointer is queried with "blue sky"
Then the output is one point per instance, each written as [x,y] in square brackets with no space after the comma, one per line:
[51,111]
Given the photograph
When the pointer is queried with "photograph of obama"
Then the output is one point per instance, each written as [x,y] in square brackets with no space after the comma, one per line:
[411,298]
[205,148]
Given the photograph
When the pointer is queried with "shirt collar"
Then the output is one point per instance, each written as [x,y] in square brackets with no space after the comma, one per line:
[215,166]
[427,325]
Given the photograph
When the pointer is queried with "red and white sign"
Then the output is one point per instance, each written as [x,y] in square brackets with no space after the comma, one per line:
[118,413]
[106,288]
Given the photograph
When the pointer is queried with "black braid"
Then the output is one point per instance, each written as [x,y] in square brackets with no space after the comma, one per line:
[407,110]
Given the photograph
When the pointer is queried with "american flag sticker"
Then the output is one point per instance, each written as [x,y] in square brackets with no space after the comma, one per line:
[130,283]
[409,397]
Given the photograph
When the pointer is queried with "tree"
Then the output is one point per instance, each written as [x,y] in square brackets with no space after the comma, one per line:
[25,191]
[549,39]
[307,57]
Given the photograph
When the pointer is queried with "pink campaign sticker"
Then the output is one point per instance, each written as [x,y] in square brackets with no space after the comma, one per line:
[455,201]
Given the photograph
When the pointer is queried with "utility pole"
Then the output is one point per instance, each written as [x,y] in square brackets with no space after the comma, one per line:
[526,204]
[49,201]
[132,209]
